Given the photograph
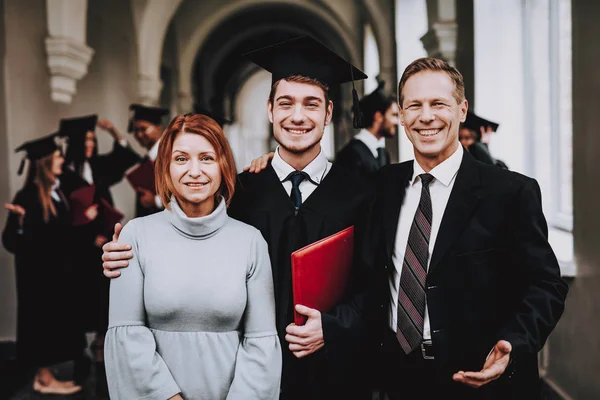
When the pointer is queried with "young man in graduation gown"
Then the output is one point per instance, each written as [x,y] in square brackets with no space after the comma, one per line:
[146,126]
[298,199]
[366,152]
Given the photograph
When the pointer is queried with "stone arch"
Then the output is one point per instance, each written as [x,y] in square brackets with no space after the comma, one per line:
[383,25]
[196,40]
[151,22]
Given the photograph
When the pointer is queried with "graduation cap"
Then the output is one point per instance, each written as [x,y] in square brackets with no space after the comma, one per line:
[219,119]
[74,128]
[475,122]
[146,113]
[307,57]
[37,149]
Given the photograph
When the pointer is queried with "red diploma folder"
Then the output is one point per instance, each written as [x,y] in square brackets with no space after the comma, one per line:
[110,216]
[142,176]
[321,272]
[80,200]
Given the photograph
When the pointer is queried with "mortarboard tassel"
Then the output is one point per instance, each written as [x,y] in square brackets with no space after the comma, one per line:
[357,119]
[21,166]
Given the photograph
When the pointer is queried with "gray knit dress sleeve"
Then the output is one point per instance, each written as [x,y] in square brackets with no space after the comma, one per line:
[133,367]
[259,362]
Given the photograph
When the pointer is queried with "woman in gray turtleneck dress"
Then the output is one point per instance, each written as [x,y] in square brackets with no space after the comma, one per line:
[193,316]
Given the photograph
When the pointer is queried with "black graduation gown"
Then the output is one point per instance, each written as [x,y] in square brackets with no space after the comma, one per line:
[107,170]
[358,158]
[48,328]
[481,152]
[341,200]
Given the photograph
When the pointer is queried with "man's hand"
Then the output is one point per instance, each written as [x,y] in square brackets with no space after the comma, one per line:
[260,163]
[494,367]
[147,199]
[306,339]
[486,134]
[115,255]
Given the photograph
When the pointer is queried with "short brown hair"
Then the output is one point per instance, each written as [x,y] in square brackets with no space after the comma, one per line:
[211,131]
[434,65]
[300,79]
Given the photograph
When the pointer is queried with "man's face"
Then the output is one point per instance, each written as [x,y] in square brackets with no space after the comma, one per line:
[299,115]
[146,133]
[431,116]
[391,119]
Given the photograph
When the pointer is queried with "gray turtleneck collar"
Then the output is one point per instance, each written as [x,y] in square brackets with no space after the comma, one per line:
[197,228]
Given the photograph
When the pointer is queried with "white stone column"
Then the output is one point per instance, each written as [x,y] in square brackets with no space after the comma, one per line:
[185,103]
[440,40]
[149,88]
[68,54]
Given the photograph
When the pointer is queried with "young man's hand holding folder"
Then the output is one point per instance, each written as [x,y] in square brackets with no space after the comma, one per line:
[320,280]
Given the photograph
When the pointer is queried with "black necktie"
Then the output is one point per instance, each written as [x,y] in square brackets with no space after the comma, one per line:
[381,157]
[411,293]
[296,178]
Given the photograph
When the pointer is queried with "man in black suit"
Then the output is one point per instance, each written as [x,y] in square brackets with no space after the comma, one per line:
[466,287]
[366,152]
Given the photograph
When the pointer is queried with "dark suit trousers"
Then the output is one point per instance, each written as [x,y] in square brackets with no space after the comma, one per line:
[407,377]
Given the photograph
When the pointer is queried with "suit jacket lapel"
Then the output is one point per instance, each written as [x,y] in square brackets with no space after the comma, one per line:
[459,209]
[393,197]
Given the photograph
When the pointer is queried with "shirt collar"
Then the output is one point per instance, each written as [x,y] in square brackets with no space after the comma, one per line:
[153,152]
[443,172]
[56,185]
[370,140]
[315,169]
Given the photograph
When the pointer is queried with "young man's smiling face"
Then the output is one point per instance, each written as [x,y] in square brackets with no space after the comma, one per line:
[431,116]
[299,113]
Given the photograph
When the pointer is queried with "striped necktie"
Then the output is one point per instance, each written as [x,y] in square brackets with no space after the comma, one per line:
[411,293]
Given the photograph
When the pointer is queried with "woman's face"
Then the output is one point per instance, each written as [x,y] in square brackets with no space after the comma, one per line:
[90,144]
[195,173]
[57,163]
[466,137]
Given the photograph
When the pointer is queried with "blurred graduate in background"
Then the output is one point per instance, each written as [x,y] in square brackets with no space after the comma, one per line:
[475,135]
[37,232]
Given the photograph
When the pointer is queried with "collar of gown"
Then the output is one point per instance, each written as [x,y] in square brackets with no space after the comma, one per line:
[197,228]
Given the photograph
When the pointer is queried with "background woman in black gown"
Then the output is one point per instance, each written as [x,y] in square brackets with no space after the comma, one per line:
[36,232]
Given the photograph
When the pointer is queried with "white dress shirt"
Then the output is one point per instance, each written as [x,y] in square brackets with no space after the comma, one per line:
[54,194]
[153,152]
[317,169]
[86,173]
[440,189]
[370,141]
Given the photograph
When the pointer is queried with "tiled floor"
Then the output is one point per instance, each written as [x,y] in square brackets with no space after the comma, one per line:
[90,391]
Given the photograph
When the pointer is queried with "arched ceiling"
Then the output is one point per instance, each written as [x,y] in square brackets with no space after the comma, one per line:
[220,68]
